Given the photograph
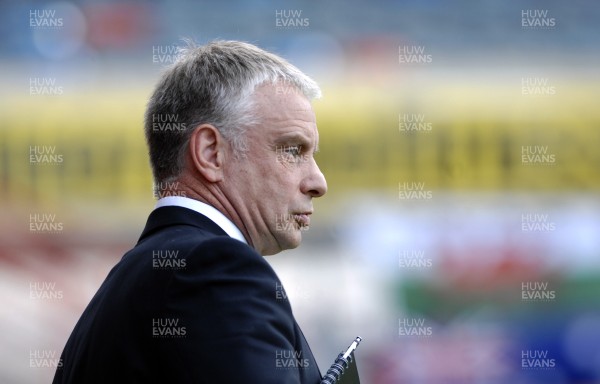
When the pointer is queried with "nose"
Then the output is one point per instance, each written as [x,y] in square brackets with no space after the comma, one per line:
[314,184]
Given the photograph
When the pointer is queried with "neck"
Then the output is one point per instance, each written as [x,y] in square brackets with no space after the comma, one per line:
[212,195]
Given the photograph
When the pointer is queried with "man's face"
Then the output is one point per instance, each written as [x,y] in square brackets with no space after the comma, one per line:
[272,187]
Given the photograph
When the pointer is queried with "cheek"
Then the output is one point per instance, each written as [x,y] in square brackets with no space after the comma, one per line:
[286,179]
[274,184]
[261,185]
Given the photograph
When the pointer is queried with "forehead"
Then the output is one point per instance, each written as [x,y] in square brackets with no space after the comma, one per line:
[283,103]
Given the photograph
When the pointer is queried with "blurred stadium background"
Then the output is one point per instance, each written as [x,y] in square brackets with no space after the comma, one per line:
[461,233]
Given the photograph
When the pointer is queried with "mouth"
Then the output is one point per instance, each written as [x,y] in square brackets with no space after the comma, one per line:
[303,219]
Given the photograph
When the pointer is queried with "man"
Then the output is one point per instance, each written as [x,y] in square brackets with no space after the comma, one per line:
[194,301]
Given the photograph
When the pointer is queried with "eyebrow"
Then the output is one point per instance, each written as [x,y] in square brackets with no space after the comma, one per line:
[295,137]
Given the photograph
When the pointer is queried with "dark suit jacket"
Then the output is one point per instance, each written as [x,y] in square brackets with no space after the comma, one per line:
[188,304]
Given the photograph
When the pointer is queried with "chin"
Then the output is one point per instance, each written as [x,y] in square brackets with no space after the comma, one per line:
[290,241]
[294,239]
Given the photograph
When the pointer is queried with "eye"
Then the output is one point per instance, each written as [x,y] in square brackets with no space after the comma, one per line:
[293,150]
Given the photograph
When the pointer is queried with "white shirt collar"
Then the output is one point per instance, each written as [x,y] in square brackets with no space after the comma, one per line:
[209,211]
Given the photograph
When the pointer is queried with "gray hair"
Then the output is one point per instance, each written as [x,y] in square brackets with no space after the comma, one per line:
[211,84]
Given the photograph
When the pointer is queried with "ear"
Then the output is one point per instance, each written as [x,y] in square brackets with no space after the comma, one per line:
[207,150]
